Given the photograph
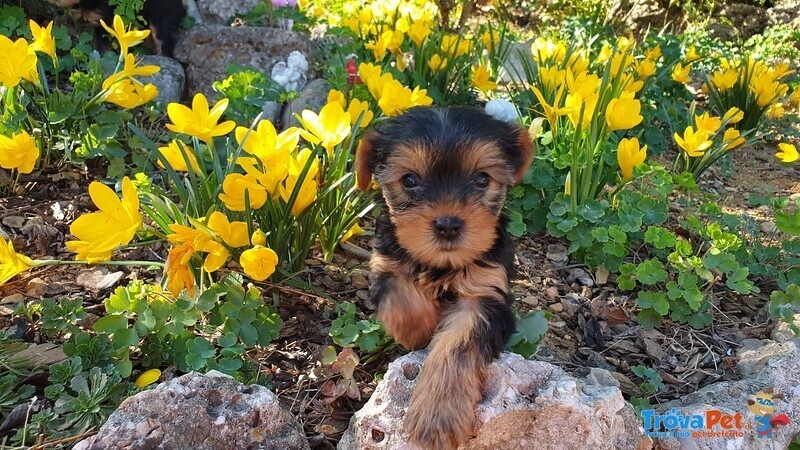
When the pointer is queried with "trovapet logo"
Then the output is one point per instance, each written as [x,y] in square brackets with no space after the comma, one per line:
[714,423]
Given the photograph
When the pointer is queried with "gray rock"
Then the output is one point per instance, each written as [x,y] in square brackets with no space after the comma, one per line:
[558,254]
[207,50]
[313,97]
[223,11]
[764,364]
[526,404]
[580,275]
[785,12]
[170,80]
[738,20]
[200,412]
[272,112]
[783,333]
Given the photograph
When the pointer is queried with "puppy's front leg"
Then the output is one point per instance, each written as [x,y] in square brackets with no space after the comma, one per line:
[470,336]
[406,311]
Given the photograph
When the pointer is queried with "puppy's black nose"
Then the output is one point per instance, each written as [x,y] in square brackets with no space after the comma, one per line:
[448,227]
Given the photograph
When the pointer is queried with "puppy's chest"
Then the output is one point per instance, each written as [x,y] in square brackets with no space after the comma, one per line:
[472,282]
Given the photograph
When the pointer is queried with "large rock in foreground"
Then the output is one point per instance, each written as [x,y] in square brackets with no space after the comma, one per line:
[200,412]
[526,404]
[207,50]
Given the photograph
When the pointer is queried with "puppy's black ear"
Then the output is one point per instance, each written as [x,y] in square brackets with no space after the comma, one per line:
[364,157]
[523,151]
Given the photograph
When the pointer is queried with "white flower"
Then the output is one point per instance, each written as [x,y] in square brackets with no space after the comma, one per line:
[502,110]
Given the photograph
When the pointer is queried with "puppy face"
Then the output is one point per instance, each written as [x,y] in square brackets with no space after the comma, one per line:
[444,174]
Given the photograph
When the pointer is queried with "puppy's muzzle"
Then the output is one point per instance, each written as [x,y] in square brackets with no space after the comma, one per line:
[448,228]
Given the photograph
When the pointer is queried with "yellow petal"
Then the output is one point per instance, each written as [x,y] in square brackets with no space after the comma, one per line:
[147,378]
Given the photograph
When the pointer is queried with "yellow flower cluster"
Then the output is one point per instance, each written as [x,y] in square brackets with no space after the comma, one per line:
[122,88]
[393,98]
[681,70]
[371,20]
[568,72]
[697,139]
[763,81]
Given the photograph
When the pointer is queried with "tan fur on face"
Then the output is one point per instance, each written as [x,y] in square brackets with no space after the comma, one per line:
[441,414]
[416,234]
[479,214]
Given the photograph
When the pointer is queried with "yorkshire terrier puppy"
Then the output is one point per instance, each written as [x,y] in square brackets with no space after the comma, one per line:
[163,16]
[442,257]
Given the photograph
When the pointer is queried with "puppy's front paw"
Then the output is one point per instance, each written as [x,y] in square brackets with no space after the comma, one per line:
[439,421]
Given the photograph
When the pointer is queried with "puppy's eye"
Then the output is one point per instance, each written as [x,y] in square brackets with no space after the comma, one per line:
[409,181]
[481,180]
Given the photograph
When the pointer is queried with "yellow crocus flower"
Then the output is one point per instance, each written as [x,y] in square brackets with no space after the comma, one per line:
[43,39]
[234,234]
[11,263]
[147,378]
[419,31]
[724,79]
[692,55]
[172,153]
[17,62]
[19,152]
[329,128]
[775,111]
[552,77]
[629,155]
[707,123]
[115,224]
[233,192]
[575,102]
[733,115]
[129,93]
[335,95]
[259,262]
[623,113]
[481,80]
[653,53]
[693,143]
[645,68]
[127,37]
[788,153]
[199,121]
[680,73]
[356,108]
[436,62]
[130,68]
[732,139]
